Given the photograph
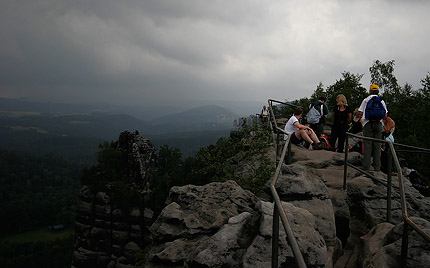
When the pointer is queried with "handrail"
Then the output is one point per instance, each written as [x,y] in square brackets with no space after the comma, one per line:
[406,220]
[278,210]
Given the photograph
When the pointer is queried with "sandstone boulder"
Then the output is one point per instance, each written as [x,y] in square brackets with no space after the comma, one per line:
[306,189]
[201,209]
[311,243]
[382,246]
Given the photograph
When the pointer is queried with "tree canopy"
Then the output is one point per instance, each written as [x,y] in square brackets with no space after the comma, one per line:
[407,106]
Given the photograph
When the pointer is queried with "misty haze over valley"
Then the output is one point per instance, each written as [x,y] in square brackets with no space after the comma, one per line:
[78,78]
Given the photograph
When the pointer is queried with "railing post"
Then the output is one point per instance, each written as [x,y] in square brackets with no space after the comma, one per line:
[345,165]
[277,146]
[389,181]
[289,153]
[275,236]
[404,254]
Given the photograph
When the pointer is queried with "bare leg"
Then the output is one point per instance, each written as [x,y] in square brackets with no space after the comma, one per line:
[312,135]
[308,135]
[301,134]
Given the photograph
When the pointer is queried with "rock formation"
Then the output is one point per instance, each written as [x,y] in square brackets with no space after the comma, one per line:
[222,225]
[106,236]
[360,213]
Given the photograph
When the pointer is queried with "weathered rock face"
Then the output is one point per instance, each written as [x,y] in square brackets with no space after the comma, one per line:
[302,222]
[201,209]
[222,225]
[305,189]
[199,220]
[368,204]
[378,244]
[382,246]
[140,157]
[106,236]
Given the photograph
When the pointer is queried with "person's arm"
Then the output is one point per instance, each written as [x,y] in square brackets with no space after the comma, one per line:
[300,126]
[390,125]
[349,114]
[386,129]
[325,110]
[361,109]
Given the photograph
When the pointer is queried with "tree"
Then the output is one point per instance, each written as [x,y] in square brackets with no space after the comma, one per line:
[382,74]
[425,83]
[319,91]
[350,86]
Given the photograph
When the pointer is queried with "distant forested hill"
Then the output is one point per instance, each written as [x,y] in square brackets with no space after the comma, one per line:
[30,127]
[72,136]
[203,118]
[140,112]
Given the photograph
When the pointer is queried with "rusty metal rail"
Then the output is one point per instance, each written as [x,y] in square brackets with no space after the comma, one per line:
[278,210]
[393,156]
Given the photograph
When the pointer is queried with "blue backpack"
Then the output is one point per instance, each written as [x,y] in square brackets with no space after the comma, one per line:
[375,110]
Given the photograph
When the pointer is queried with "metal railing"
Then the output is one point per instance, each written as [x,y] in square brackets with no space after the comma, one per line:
[278,210]
[279,131]
[392,156]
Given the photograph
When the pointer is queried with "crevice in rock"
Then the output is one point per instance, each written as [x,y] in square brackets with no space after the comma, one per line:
[342,229]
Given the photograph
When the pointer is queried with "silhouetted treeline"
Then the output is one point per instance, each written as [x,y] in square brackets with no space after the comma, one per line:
[36,190]
[54,254]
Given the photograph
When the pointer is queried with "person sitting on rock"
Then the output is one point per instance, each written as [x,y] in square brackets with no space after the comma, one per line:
[299,132]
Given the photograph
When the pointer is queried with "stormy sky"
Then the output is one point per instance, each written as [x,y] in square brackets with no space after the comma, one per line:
[180,52]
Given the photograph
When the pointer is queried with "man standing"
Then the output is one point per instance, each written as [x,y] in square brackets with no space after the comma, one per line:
[318,128]
[373,109]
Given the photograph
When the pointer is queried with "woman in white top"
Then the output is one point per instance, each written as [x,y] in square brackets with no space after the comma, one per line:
[264,115]
[299,132]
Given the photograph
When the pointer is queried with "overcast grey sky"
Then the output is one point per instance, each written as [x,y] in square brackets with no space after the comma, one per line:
[172,52]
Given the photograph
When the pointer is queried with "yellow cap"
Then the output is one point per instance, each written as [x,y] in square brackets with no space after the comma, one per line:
[374,87]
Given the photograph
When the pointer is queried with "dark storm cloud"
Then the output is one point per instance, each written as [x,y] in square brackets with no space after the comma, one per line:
[177,51]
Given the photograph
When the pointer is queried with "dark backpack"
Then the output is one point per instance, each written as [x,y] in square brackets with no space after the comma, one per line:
[375,110]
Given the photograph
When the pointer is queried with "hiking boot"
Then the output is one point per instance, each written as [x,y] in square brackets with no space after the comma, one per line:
[324,146]
[317,146]
[306,145]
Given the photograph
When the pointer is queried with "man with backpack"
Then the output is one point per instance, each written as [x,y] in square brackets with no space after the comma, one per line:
[372,109]
[316,116]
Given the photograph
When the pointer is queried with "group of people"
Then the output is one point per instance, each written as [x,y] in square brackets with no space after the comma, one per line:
[369,120]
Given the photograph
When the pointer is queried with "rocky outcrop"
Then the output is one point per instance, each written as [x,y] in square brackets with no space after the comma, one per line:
[374,242]
[203,220]
[305,188]
[106,236]
[140,155]
[382,246]
[302,222]
[222,225]
[360,212]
